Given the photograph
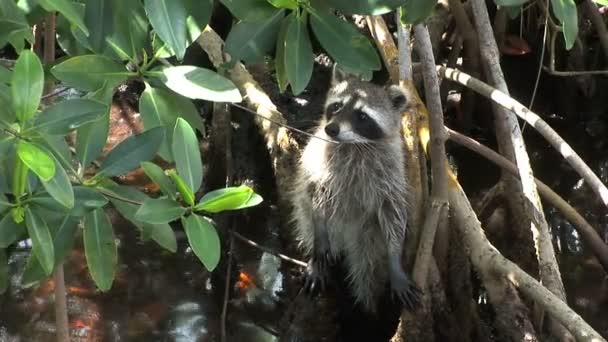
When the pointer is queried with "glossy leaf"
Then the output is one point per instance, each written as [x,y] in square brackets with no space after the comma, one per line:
[158,176]
[100,248]
[343,42]
[203,239]
[250,41]
[565,11]
[42,242]
[132,151]
[416,11]
[231,198]
[67,9]
[163,235]
[10,231]
[130,29]
[27,85]
[168,18]
[98,15]
[366,7]
[299,58]
[91,138]
[85,200]
[279,56]
[199,15]
[159,210]
[182,188]
[36,159]
[198,83]
[4,281]
[90,72]
[187,155]
[4,203]
[60,187]
[67,115]
[248,10]
[5,75]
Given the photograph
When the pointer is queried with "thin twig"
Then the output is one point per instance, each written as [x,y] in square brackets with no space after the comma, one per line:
[535,121]
[268,250]
[227,286]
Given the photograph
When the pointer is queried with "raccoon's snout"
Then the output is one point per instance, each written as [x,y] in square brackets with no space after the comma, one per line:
[332,130]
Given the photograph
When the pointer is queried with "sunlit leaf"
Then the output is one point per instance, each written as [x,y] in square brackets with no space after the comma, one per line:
[168,18]
[250,41]
[299,58]
[231,198]
[159,210]
[198,83]
[132,151]
[42,242]
[27,85]
[67,115]
[60,187]
[36,159]
[187,155]
[90,72]
[182,188]
[343,42]
[203,239]
[100,248]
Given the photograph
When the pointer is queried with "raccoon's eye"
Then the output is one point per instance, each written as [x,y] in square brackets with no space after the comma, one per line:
[334,107]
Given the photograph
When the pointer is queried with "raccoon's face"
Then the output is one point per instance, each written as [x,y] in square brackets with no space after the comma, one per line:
[361,112]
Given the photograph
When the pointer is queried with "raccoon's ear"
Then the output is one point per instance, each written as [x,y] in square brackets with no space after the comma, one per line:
[338,75]
[398,97]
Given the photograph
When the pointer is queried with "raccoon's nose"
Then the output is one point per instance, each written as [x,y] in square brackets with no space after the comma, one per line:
[332,130]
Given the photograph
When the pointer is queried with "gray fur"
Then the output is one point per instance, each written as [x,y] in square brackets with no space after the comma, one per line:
[356,193]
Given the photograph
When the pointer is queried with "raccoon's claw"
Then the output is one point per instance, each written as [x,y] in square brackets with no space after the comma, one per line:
[406,291]
[316,275]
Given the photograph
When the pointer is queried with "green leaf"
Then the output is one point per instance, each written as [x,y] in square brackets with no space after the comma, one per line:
[63,241]
[36,159]
[299,58]
[159,210]
[187,155]
[67,115]
[248,10]
[160,107]
[231,198]
[3,272]
[5,75]
[90,72]
[130,29]
[6,106]
[27,85]
[4,203]
[184,190]
[91,138]
[343,42]
[250,41]
[59,187]
[199,15]
[601,2]
[132,151]
[98,15]
[168,18]
[42,242]
[203,239]
[198,83]
[565,11]
[85,200]
[157,175]
[67,9]
[366,7]
[161,233]
[416,11]
[279,56]
[289,4]
[10,231]
[100,248]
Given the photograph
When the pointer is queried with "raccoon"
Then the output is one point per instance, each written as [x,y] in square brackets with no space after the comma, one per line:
[350,193]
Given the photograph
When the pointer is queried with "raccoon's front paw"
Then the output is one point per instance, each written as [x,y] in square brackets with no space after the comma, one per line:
[316,275]
[406,290]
